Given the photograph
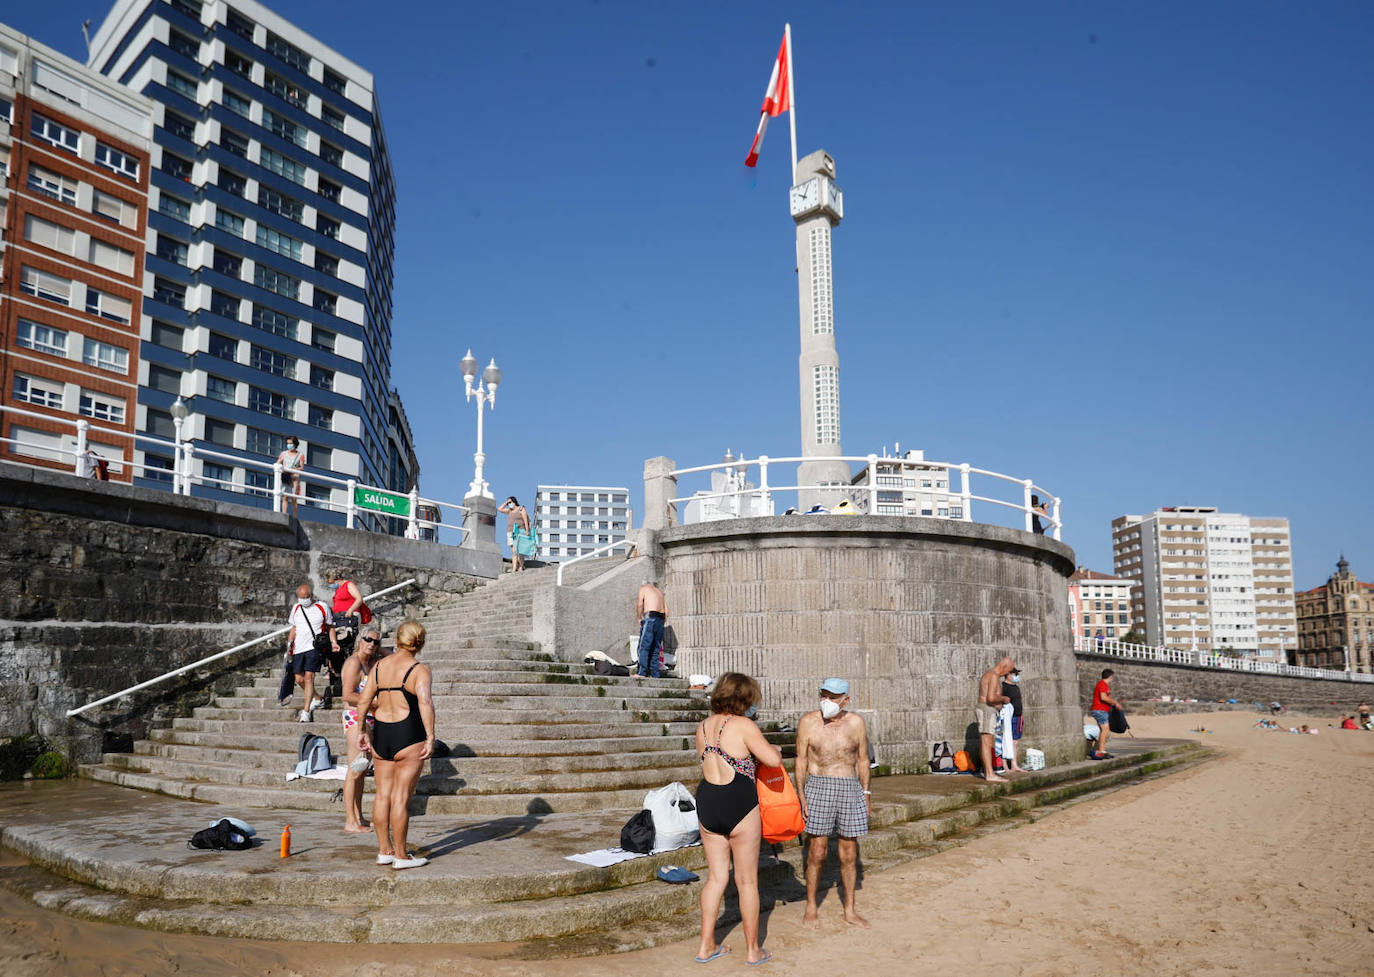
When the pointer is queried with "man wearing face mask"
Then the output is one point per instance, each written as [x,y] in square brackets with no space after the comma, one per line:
[308,618]
[832,779]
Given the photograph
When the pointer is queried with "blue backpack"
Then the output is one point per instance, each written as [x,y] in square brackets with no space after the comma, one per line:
[312,755]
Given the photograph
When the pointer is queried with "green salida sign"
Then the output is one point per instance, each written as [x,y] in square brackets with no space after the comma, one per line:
[392,503]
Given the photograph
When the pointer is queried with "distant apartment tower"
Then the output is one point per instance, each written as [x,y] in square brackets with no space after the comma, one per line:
[575,519]
[1099,604]
[74,155]
[1336,623]
[1222,581]
[268,293]
[907,486]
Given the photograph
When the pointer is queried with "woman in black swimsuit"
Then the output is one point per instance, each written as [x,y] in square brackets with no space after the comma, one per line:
[401,740]
[728,809]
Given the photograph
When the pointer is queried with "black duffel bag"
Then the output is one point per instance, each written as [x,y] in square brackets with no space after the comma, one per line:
[638,833]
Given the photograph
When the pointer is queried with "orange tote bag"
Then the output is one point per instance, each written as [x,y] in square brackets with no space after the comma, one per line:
[778,805]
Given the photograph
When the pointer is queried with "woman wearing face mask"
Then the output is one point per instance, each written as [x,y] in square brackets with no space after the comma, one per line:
[356,672]
[728,743]
[292,462]
[1011,688]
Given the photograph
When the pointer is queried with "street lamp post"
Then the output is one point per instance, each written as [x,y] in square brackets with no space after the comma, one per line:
[491,376]
[179,478]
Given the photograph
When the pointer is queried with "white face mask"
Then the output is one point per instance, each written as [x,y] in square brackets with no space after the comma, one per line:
[829,708]
[1015,679]
[305,601]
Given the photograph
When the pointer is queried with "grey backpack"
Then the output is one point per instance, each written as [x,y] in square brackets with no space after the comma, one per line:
[313,755]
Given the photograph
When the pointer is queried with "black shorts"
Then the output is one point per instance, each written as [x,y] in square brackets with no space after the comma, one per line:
[306,661]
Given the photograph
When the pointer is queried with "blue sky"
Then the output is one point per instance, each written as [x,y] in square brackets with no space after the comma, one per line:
[1123,249]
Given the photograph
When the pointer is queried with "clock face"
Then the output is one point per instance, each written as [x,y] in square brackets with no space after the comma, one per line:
[834,199]
[806,196]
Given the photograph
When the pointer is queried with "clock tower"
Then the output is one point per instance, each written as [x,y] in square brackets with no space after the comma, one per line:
[817,206]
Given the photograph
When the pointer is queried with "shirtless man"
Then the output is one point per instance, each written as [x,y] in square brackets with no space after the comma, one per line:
[651,607]
[517,519]
[832,779]
[989,704]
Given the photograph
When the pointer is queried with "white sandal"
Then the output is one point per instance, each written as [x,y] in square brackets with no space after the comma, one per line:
[410,861]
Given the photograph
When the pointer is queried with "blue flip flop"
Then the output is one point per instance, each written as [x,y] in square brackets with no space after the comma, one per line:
[720,952]
[767,955]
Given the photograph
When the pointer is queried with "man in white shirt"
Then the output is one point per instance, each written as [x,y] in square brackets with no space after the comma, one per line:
[308,618]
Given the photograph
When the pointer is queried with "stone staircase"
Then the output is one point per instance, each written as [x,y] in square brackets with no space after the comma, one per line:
[525,731]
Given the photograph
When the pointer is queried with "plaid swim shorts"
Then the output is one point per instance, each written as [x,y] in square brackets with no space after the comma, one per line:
[836,805]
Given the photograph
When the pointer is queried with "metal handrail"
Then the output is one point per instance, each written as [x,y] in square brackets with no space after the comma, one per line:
[558,577]
[1209,659]
[215,657]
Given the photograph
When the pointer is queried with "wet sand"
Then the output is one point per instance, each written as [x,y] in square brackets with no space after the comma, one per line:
[1256,863]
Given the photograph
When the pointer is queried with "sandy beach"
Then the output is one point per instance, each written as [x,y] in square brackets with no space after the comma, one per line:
[1256,863]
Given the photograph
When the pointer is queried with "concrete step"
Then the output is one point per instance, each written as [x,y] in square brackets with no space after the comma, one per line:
[513,671]
[450,732]
[484,741]
[462,695]
[555,714]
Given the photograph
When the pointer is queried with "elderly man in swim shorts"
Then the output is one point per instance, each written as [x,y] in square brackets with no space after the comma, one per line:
[832,778]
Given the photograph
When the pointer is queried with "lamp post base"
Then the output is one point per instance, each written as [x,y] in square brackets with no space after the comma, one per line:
[480,524]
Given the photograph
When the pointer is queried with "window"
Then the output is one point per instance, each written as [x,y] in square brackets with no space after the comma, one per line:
[228,264]
[184,45]
[169,249]
[279,242]
[231,182]
[174,166]
[55,133]
[330,190]
[332,116]
[238,64]
[265,443]
[169,292]
[317,456]
[108,306]
[276,281]
[159,422]
[288,52]
[157,468]
[191,8]
[325,302]
[45,286]
[219,476]
[230,222]
[267,402]
[283,127]
[225,305]
[178,82]
[117,160]
[321,417]
[118,260]
[321,378]
[223,348]
[41,393]
[326,263]
[167,335]
[335,82]
[220,389]
[49,235]
[332,155]
[105,356]
[270,361]
[41,338]
[101,407]
[280,203]
[173,207]
[178,125]
[258,483]
[236,103]
[235,143]
[163,379]
[277,323]
[113,209]
[322,339]
[220,432]
[284,90]
[240,25]
[327,226]
[282,165]
[52,184]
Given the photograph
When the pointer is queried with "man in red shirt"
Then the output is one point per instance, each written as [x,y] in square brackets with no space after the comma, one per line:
[1100,710]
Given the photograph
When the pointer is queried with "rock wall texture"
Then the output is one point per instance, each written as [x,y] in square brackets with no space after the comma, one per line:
[911,611]
[104,586]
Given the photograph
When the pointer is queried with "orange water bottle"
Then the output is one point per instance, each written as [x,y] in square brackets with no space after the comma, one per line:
[286,841]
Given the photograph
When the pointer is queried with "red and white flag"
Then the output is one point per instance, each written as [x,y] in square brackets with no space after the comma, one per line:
[776,100]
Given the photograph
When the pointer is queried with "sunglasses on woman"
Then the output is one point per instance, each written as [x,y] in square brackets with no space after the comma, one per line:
[371,641]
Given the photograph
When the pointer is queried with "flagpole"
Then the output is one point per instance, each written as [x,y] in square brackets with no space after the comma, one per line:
[791,98]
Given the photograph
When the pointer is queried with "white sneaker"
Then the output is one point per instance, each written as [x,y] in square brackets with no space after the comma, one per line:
[410,861]
[385,859]
[305,717]
[315,704]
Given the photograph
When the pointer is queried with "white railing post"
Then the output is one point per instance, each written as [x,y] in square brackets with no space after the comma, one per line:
[964,492]
[81,463]
[413,527]
[1058,522]
[872,485]
[1026,493]
[188,451]
[276,486]
[763,485]
[350,510]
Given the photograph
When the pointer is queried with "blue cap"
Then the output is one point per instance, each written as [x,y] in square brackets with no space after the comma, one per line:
[835,686]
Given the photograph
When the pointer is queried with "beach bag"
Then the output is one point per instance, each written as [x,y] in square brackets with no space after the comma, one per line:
[942,758]
[638,833]
[962,761]
[675,817]
[1116,721]
[1035,760]
[779,807]
[223,835]
[312,754]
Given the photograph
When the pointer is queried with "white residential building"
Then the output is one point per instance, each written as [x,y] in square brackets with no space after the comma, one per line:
[1099,604]
[575,519]
[907,485]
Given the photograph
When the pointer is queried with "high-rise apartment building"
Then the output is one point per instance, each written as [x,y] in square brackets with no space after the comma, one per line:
[1099,604]
[575,519]
[74,154]
[1336,624]
[1220,581]
[268,288]
[907,486]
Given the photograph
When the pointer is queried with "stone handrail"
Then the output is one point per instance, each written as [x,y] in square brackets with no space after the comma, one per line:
[1113,648]
[600,550]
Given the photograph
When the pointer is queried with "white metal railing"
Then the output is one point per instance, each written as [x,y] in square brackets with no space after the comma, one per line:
[606,548]
[1209,659]
[183,475]
[759,499]
[215,657]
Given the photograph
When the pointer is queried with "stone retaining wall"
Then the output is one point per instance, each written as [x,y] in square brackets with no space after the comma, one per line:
[910,610]
[106,585]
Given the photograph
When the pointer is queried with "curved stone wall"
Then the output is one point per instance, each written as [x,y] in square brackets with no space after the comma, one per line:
[910,610]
